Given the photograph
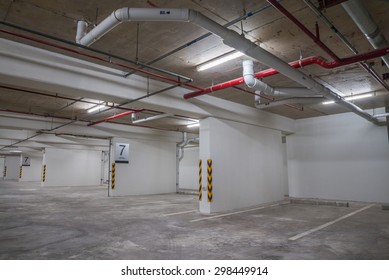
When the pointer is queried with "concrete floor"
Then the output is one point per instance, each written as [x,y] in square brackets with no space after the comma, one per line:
[83,223]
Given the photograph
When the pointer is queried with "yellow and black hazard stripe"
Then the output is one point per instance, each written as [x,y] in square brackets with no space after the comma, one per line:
[44,173]
[209,183]
[20,172]
[200,180]
[113,176]
[5,171]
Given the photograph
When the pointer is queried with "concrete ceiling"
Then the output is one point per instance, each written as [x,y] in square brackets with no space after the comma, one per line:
[149,41]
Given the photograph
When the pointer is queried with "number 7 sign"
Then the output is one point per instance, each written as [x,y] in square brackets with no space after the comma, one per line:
[122,153]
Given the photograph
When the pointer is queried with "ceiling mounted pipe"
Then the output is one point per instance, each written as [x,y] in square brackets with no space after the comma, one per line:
[295,64]
[157,117]
[368,68]
[121,115]
[254,83]
[230,38]
[317,41]
[367,25]
[179,79]
[293,100]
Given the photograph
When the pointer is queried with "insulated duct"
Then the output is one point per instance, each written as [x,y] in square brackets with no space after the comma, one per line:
[258,85]
[367,25]
[230,38]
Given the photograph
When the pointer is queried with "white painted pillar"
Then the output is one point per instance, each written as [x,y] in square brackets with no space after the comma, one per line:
[246,167]
[140,166]
[2,165]
[20,167]
[43,173]
[12,164]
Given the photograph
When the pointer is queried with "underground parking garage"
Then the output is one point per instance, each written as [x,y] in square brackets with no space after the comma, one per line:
[199,131]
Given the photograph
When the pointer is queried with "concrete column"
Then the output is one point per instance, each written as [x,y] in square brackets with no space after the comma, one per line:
[20,167]
[43,170]
[72,167]
[140,166]
[247,162]
[2,159]
[12,164]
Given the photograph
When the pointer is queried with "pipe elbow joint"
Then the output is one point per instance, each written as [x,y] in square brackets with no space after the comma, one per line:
[248,73]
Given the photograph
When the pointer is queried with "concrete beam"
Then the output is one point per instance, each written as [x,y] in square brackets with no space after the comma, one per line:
[26,66]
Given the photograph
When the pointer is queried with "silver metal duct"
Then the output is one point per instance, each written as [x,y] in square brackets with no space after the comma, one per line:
[367,25]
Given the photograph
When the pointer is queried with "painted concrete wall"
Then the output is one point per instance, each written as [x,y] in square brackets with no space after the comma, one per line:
[189,169]
[32,173]
[13,167]
[67,167]
[339,157]
[247,164]
[151,168]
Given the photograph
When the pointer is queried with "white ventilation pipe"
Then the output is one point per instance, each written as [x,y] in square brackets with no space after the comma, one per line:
[293,100]
[258,85]
[152,118]
[230,38]
[367,25]
[129,14]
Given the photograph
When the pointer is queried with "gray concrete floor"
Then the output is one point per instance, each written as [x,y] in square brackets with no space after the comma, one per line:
[83,223]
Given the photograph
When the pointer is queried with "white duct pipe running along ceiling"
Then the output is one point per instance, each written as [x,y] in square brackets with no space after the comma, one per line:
[367,25]
[230,38]
[258,85]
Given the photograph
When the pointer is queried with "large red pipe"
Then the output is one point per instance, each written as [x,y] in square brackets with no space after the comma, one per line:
[286,13]
[295,64]
[116,116]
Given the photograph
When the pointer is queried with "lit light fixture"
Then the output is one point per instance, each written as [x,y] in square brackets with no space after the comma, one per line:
[196,124]
[15,151]
[97,107]
[350,98]
[219,60]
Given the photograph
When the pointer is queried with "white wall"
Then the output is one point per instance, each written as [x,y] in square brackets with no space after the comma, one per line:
[32,173]
[151,168]
[71,167]
[189,169]
[13,167]
[247,164]
[339,157]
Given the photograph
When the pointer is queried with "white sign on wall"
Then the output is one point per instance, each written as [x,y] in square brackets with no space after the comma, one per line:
[122,153]
[26,161]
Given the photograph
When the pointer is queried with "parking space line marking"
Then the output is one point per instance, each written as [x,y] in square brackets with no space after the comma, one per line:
[178,213]
[298,236]
[238,212]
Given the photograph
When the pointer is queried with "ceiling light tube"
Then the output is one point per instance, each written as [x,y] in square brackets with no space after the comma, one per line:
[350,98]
[193,125]
[98,107]
[219,60]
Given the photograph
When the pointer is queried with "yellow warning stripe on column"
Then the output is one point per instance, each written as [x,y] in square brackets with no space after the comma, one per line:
[200,180]
[113,176]
[5,171]
[44,173]
[20,172]
[209,183]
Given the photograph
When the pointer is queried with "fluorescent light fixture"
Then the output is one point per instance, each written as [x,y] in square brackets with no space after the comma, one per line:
[350,98]
[219,60]
[15,151]
[196,124]
[98,107]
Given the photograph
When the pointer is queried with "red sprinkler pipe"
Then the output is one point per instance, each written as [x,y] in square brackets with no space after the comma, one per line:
[286,13]
[295,64]
[116,116]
